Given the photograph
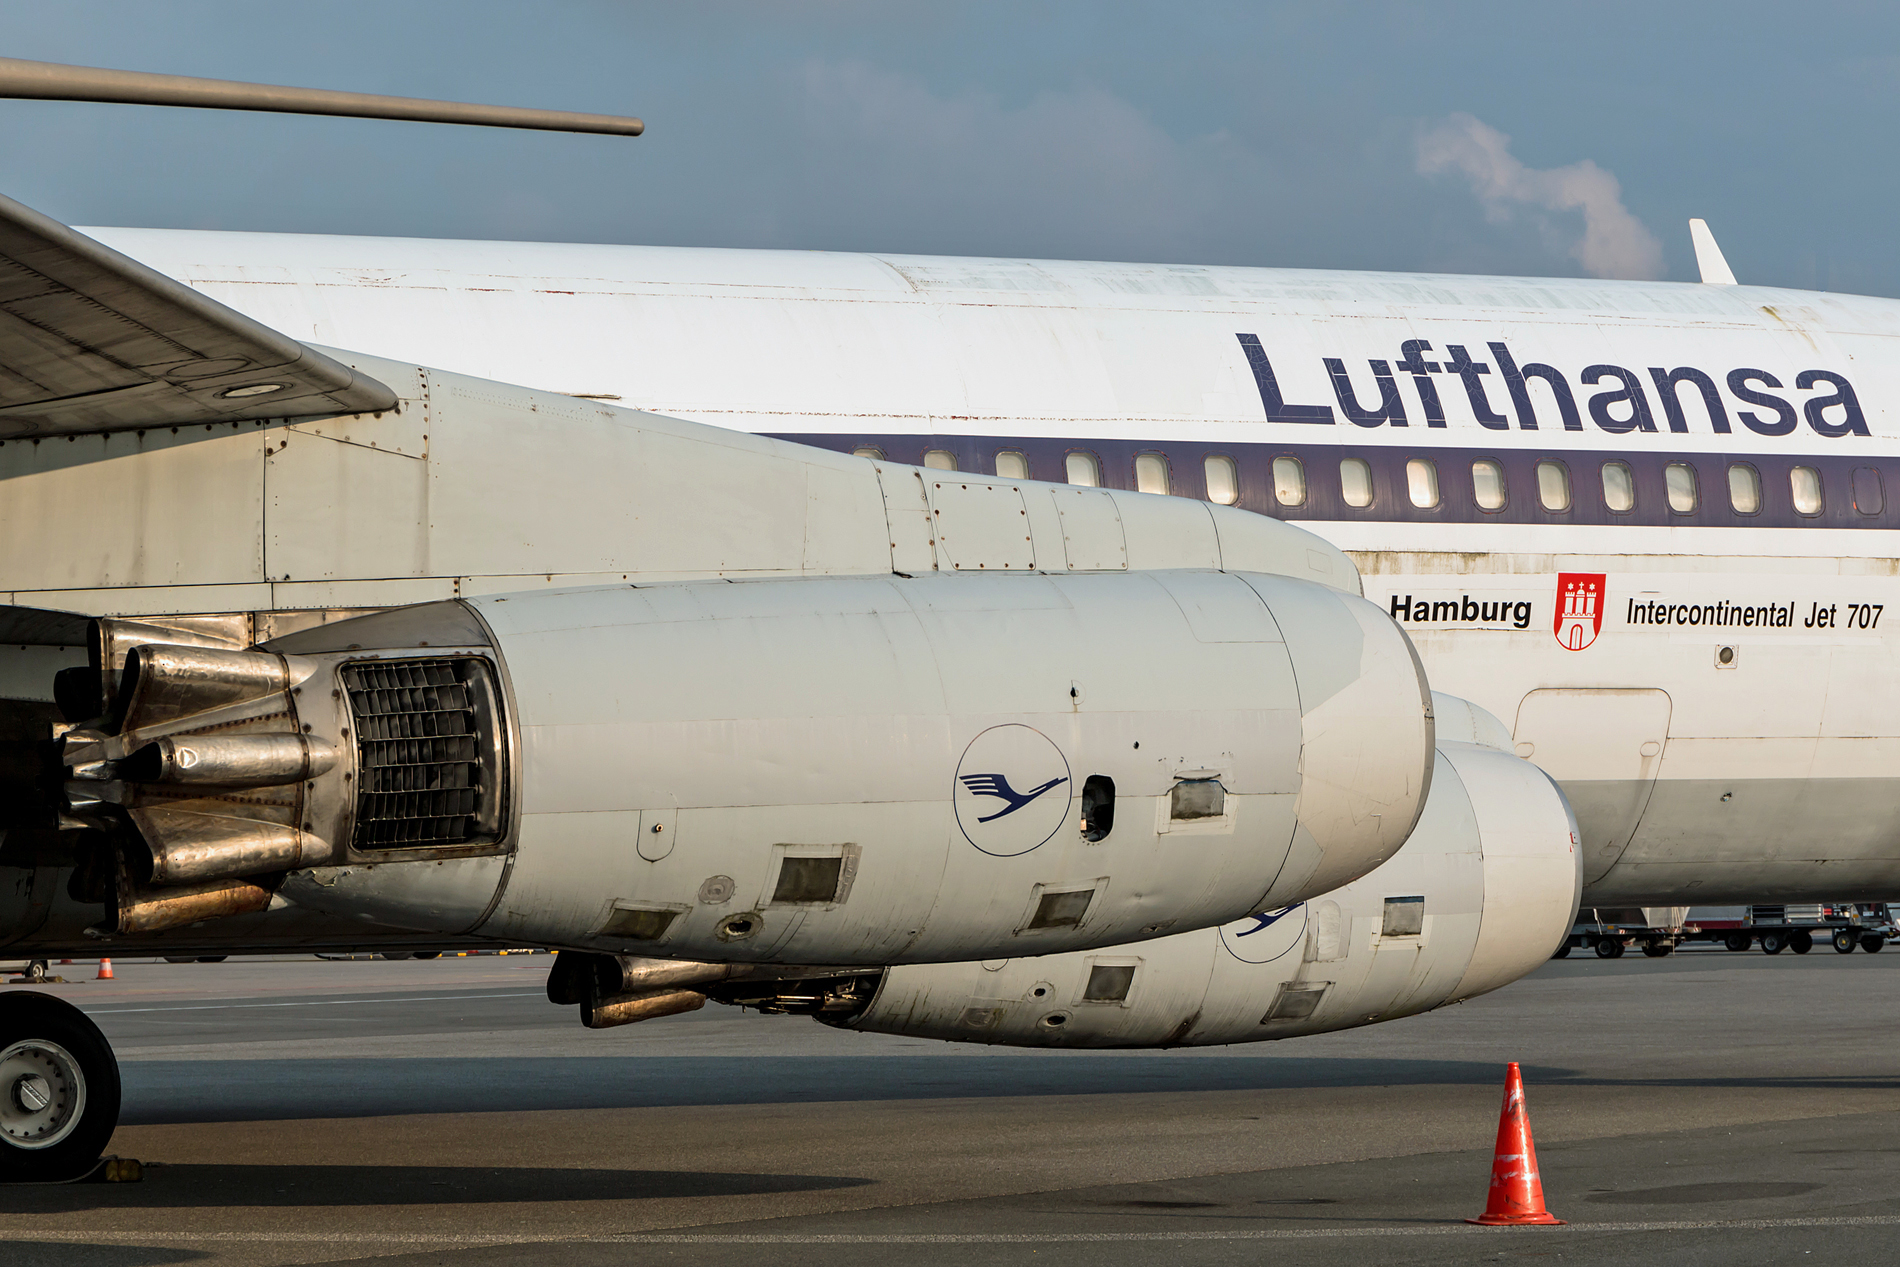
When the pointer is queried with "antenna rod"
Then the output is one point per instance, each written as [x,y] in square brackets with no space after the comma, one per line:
[52,81]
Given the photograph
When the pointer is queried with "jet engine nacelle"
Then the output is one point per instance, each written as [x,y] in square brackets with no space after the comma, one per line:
[1481,894]
[847,771]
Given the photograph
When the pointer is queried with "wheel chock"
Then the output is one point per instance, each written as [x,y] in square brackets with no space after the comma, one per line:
[113,1169]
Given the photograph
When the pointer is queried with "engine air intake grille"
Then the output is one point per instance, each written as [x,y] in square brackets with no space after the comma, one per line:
[427,745]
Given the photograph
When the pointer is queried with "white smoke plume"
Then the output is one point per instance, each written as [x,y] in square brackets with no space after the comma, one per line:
[1614,243]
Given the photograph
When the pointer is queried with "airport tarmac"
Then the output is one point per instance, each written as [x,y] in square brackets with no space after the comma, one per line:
[1706,1108]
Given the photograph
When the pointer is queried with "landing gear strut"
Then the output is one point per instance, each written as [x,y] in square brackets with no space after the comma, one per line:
[59,1090]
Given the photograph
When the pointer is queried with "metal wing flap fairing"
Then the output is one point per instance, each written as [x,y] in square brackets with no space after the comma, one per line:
[91,340]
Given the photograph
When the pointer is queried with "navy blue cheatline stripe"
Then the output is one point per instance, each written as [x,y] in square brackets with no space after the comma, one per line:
[976,455]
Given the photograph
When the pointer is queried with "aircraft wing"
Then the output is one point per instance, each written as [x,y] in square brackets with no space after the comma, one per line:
[91,341]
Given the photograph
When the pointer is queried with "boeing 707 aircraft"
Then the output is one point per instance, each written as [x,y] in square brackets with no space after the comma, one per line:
[1007,651]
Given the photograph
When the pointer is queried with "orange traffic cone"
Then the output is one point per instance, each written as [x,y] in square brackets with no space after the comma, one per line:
[1517,1193]
[105,974]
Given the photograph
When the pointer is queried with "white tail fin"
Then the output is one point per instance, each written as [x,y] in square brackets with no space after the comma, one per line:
[1708,256]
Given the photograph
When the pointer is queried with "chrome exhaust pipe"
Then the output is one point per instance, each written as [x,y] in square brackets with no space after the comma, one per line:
[153,910]
[625,1009]
[188,847]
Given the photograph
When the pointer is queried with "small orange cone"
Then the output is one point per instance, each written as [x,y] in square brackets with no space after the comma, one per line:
[105,974]
[1517,1193]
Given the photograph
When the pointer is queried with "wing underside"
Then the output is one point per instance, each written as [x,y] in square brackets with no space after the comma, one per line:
[91,340]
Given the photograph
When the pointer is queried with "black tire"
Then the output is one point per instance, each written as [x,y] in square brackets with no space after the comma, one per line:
[433,954]
[1845,941]
[1657,949]
[51,1053]
[1801,941]
[1737,941]
[1771,943]
[1563,951]
[1609,948]
[1872,942]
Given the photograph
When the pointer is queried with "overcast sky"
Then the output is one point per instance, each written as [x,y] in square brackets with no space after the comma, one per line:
[1546,139]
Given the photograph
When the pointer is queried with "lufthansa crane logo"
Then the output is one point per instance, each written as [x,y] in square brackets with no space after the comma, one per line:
[997,785]
[1265,935]
[1012,790]
[1580,606]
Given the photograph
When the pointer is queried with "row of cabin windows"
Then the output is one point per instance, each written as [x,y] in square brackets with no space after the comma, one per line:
[1085,469]
[1553,486]
[1421,482]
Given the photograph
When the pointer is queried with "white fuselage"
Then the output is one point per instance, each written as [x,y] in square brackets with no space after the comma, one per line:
[1693,641]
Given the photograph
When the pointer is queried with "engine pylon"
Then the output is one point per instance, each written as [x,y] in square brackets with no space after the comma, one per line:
[1517,1191]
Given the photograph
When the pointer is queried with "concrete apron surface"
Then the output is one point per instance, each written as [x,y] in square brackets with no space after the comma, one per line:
[1732,1107]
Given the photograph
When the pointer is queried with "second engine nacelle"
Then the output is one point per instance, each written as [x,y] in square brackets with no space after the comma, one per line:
[1482,894]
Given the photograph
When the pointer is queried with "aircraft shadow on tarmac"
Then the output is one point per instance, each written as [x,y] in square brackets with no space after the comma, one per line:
[177,1091]
[159,1092]
[64,1253]
[201,1186]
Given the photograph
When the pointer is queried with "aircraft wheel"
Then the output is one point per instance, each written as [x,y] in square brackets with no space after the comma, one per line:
[1800,941]
[1737,941]
[1845,941]
[1771,943]
[59,1089]
[1872,942]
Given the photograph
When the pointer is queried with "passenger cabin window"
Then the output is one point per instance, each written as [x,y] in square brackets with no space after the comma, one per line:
[1151,473]
[1355,481]
[940,460]
[1805,483]
[1223,481]
[1679,483]
[868,451]
[1487,484]
[1868,495]
[1289,482]
[1744,489]
[1011,465]
[1619,487]
[1553,485]
[1421,482]
[1083,469]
